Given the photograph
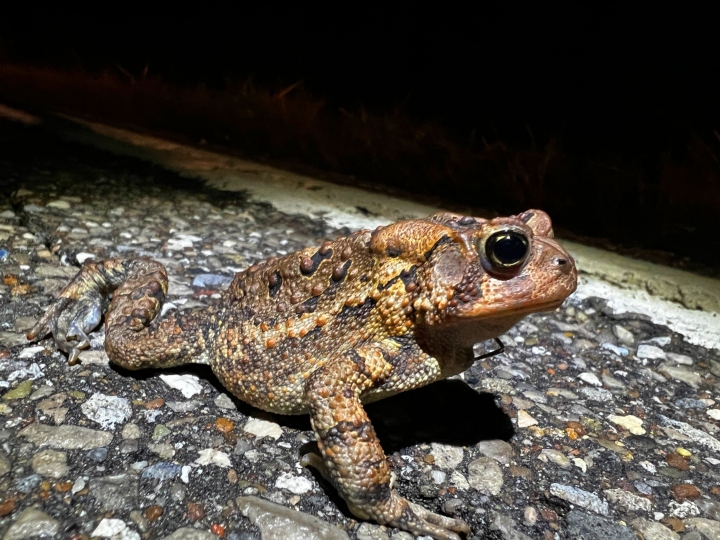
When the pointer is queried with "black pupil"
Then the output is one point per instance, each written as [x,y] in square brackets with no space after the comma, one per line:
[508,248]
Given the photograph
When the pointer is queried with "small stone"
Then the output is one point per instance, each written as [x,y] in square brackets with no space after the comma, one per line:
[525,420]
[189,385]
[652,530]
[108,528]
[107,410]
[263,428]
[650,352]
[446,456]
[612,382]
[506,526]
[501,451]
[555,456]
[459,481]
[580,497]
[5,464]
[681,374]
[677,461]
[78,485]
[99,358]
[7,507]
[366,531]
[115,493]
[154,404]
[164,451]
[710,508]
[214,457]
[211,281]
[130,446]
[713,413]
[680,359]
[689,403]
[224,425]
[629,501]
[32,523]
[277,522]
[590,378]
[686,430]
[295,484]
[224,401]
[597,394]
[591,527]
[485,475]
[682,492]
[575,430]
[452,506]
[195,511]
[26,484]
[631,423]
[178,492]
[708,527]
[153,512]
[683,509]
[620,351]
[162,471]
[59,204]
[530,515]
[160,432]
[98,454]
[63,487]
[20,391]
[67,437]
[131,431]
[50,464]
[624,335]
[438,477]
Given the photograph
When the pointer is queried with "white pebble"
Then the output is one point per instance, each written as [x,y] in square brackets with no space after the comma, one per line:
[295,484]
[590,378]
[438,477]
[263,428]
[650,352]
[631,423]
[109,527]
[215,457]
[62,205]
[525,420]
[189,385]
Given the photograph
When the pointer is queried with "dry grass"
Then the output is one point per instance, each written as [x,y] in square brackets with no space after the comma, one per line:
[666,201]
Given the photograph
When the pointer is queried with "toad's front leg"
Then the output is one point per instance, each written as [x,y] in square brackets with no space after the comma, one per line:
[353,459]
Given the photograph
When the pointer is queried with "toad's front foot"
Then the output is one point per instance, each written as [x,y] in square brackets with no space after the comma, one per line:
[75,313]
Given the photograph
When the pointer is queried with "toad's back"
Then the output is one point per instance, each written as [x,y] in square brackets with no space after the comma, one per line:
[283,318]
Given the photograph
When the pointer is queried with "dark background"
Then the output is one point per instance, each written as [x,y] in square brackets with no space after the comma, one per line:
[604,115]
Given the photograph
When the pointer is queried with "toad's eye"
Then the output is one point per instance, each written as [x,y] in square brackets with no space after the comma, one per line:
[506,250]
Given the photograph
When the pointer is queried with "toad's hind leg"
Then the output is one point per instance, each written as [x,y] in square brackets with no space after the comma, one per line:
[134,338]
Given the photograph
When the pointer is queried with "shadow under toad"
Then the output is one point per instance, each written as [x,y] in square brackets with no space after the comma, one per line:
[447,412]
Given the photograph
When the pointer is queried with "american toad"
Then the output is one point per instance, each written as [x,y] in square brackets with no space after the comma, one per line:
[324,330]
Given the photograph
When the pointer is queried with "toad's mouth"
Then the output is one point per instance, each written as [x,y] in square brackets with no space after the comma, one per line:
[514,310]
